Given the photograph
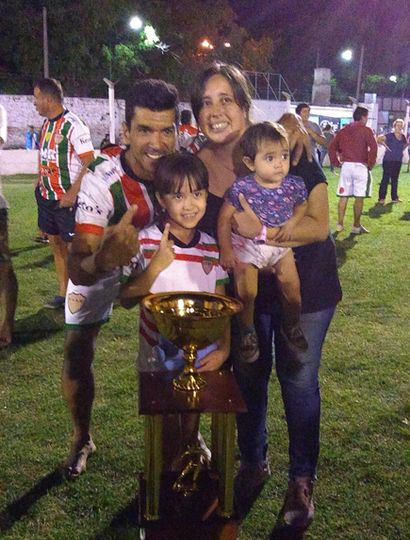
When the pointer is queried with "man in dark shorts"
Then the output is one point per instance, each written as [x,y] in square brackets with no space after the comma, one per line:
[116,191]
[65,151]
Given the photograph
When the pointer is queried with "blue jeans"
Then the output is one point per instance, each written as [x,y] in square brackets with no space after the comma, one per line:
[298,377]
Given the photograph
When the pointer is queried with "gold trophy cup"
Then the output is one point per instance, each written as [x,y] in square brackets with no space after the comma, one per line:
[191,321]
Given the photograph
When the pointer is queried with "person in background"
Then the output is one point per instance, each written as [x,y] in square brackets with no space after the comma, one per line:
[105,142]
[187,133]
[394,143]
[65,152]
[8,280]
[31,139]
[313,129]
[328,133]
[354,149]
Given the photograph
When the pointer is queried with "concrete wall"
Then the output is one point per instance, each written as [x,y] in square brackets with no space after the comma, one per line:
[94,111]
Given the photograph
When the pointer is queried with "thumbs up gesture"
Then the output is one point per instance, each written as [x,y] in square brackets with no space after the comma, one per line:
[119,243]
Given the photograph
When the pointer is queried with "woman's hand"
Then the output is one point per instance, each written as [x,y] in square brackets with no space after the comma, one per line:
[246,223]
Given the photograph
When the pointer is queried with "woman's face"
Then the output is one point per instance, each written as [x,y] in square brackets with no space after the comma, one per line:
[221,119]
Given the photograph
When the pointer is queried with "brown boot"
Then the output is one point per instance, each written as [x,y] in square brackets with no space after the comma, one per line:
[298,509]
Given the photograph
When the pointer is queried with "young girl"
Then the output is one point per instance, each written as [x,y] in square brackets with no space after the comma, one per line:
[175,256]
[279,200]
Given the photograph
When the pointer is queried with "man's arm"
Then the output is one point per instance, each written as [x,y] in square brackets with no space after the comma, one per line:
[372,145]
[333,151]
[316,134]
[69,198]
[93,255]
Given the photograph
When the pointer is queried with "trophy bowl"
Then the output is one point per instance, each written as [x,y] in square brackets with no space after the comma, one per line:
[191,321]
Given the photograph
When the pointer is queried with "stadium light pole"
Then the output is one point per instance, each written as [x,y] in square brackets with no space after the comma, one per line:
[45,44]
[347,56]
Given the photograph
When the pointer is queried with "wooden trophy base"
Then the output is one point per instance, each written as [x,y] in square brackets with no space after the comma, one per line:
[193,517]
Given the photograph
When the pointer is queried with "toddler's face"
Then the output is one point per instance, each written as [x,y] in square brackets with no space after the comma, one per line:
[271,162]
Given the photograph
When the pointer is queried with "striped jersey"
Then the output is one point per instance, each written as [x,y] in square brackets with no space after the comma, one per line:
[195,268]
[107,190]
[64,141]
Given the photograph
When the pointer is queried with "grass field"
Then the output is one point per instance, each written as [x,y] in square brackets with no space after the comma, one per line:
[363,487]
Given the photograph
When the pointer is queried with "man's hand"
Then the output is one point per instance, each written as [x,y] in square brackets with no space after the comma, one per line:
[212,361]
[119,244]
[164,256]
[68,200]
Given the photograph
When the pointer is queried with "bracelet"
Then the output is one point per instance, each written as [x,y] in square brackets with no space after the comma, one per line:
[262,236]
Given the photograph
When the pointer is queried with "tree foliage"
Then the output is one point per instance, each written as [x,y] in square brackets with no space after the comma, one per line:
[91,40]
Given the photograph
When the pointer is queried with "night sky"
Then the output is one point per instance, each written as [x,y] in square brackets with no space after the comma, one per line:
[310,27]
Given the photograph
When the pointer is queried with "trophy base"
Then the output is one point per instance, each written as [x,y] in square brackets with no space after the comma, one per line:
[196,516]
[189,382]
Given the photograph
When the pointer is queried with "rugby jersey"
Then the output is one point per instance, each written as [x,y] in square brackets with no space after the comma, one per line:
[64,141]
[107,191]
[195,268]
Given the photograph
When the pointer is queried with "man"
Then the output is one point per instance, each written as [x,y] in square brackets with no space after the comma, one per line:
[65,150]
[8,281]
[354,149]
[117,191]
[313,129]
[187,133]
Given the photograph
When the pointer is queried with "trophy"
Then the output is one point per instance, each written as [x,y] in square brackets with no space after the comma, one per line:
[191,321]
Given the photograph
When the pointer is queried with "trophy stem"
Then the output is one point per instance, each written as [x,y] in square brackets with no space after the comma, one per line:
[189,380]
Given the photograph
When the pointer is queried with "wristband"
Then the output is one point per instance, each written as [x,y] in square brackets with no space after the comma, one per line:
[262,236]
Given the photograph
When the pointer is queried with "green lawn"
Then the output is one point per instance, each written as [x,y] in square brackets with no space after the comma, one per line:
[363,487]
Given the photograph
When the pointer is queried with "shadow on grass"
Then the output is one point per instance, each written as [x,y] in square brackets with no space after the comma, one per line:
[37,327]
[123,525]
[343,246]
[376,211]
[46,261]
[18,508]
[405,216]
[34,247]
[281,532]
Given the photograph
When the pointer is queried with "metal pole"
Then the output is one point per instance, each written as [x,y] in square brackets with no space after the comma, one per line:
[45,44]
[359,75]
[111,108]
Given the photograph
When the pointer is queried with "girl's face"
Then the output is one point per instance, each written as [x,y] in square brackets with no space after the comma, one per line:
[221,119]
[184,208]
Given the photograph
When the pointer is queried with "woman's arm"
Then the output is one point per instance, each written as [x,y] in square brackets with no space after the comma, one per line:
[227,256]
[313,227]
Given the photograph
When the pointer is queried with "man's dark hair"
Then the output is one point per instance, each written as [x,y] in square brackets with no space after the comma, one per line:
[50,87]
[301,106]
[257,133]
[186,116]
[152,94]
[359,113]
[172,170]
[235,77]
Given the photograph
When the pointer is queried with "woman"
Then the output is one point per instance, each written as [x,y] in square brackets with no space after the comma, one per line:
[221,105]
[394,142]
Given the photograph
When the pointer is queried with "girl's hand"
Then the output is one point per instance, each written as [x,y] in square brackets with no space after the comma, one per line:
[164,256]
[212,361]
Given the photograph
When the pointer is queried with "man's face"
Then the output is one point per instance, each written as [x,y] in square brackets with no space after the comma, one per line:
[41,102]
[304,114]
[151,135]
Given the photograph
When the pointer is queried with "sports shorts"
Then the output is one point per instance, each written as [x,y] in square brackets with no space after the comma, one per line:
[260,255]
[91,305]
[55,220]
[355,180]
